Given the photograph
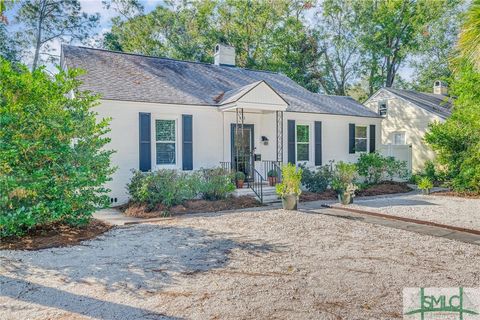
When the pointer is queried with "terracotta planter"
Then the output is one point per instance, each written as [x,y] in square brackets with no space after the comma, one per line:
[239,184]
[345,198]
[272,181]
[290,202]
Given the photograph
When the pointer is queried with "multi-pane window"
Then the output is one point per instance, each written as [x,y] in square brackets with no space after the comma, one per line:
[382,108]
[360,139]
[165,134]
[303,142]
[399,138]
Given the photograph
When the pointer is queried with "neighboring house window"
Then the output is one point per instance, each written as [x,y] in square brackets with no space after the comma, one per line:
[166,141]
[360,139]
[303,142]
[382,108]
[399,138]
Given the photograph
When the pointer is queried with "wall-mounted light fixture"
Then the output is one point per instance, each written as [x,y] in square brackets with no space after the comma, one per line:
[265,140]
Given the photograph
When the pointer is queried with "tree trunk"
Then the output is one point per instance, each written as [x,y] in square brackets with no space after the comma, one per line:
[38,38]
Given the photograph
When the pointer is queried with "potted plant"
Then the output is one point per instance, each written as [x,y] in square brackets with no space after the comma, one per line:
[272,177]
[425,185]
[343,182]
[239,179]
[289,189]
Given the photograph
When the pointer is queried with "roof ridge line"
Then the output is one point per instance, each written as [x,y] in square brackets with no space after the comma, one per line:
[434,105]
[165,58]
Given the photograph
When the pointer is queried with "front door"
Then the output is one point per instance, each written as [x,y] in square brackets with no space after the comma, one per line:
[243,148]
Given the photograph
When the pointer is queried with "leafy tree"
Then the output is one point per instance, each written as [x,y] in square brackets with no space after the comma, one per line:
[457,140]
[389,32]
[52,158]
[337,64]
[270,35]
[431,63]
[3,7]
[8,50]
[44,21]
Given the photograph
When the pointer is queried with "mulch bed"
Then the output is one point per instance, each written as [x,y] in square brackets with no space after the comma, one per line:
[385,187]
[465,195]
[55,235]
[191,206]
[315,196]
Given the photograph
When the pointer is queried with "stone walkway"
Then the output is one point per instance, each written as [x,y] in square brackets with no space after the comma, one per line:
[391,222]
[117,218]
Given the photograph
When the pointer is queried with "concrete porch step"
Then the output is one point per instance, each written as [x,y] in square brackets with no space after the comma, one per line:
[269,193]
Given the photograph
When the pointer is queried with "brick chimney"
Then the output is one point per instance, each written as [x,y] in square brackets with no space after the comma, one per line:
[224,55]
[440,87]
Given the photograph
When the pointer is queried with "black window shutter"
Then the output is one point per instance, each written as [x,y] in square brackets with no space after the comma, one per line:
[145,144]
[372,138]
[291,141]
[187,146]
[351,138]
[318,143]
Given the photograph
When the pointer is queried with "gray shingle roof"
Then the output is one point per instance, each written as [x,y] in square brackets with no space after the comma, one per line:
[436,103]
[131,77]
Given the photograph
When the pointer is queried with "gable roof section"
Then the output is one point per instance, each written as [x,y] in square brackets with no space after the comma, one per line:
[131,77]
[435,103]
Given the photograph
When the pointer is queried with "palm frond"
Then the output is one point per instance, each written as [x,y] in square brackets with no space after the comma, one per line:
[469,38]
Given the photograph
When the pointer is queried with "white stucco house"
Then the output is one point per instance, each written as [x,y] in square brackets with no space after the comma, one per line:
[406,116]
[186,115]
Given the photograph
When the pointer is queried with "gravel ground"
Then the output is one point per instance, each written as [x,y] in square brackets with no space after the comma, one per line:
[455,211]
[269,264]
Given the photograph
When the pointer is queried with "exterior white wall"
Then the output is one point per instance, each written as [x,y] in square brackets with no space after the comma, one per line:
[335,135]
[211,136]
[124,134]
[404,116]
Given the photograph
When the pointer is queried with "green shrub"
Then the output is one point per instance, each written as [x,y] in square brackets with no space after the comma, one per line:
[425,184]
[272,173]
[53,164]
[239,176]
[172,187]
[430,172]
[371,166]
[216,184]
[167,187]
[395,168]
[344,177]
[291,181]
[375,167]
[318,180]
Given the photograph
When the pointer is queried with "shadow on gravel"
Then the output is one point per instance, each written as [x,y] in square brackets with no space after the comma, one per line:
[131,260]
[54,298]
[392,202]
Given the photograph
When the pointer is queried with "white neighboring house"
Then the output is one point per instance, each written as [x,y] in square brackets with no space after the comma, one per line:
[186,115]
[406,116]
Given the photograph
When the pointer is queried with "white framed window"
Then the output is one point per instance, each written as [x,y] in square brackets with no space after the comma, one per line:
[360,139]
[398,138]
[166,142]
[303,142]
[382,108]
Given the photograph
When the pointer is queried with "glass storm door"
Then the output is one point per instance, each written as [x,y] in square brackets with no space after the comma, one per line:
[243,148]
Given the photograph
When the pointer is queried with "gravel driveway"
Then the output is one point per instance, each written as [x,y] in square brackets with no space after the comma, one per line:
[269,264]
[455,211]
